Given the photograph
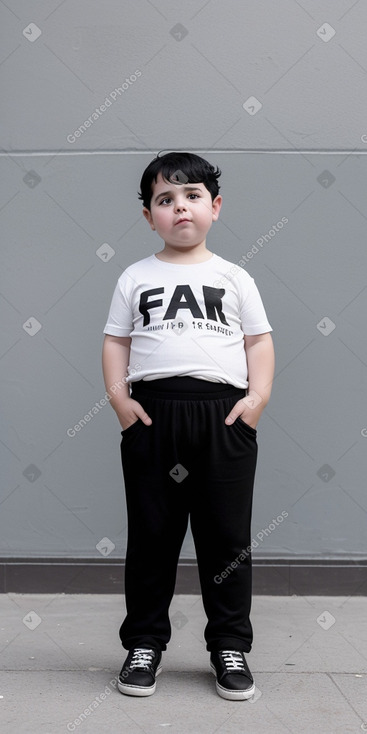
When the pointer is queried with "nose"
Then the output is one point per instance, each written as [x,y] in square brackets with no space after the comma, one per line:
[180,204]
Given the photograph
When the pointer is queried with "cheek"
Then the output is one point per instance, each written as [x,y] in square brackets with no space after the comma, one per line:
[205,217]
[161,218]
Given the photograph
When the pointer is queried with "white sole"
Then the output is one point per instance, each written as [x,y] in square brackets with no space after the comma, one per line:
[130,690]
[232,695]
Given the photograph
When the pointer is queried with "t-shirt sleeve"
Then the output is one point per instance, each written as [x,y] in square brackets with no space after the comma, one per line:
[120,318]
[253,316]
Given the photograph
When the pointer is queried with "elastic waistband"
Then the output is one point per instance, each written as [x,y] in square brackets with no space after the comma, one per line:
[186,388]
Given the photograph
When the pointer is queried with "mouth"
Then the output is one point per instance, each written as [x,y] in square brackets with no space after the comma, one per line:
[180,221]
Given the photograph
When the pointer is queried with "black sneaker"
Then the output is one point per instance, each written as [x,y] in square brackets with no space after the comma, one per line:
[138,673]
[234,679]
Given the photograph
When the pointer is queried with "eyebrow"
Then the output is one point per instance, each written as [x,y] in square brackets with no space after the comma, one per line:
[186,188]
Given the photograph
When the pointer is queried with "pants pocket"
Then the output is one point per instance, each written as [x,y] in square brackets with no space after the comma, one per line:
[130,428]
[246,426]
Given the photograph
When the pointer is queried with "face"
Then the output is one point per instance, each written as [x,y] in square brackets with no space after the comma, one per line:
[181,214]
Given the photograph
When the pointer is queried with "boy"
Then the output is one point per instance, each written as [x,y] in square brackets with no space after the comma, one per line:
[190,337]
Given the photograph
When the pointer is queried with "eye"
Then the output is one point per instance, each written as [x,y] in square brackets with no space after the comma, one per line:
[195,195]
[163,200]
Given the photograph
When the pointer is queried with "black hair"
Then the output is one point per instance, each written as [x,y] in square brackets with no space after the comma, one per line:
[180,168]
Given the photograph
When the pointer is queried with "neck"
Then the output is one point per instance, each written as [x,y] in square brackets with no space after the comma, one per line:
[195,254]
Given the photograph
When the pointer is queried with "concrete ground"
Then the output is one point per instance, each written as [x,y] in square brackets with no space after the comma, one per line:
[60,655]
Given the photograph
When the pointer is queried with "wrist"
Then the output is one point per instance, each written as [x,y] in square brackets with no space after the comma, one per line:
[256,396]
[118,397]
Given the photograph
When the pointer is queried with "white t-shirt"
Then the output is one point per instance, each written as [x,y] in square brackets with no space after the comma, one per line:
[187,319]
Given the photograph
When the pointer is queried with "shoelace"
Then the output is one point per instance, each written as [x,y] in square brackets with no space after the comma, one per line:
[142,658]
[233,660]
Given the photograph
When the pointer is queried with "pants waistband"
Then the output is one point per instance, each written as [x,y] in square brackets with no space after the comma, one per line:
[186,388]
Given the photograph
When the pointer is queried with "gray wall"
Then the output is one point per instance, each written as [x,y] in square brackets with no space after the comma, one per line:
[300,156]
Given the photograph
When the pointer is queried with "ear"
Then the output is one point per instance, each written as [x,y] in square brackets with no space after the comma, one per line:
[148,216]
[217,203]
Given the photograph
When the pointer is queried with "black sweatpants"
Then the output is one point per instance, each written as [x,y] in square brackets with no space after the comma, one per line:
[188,463]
